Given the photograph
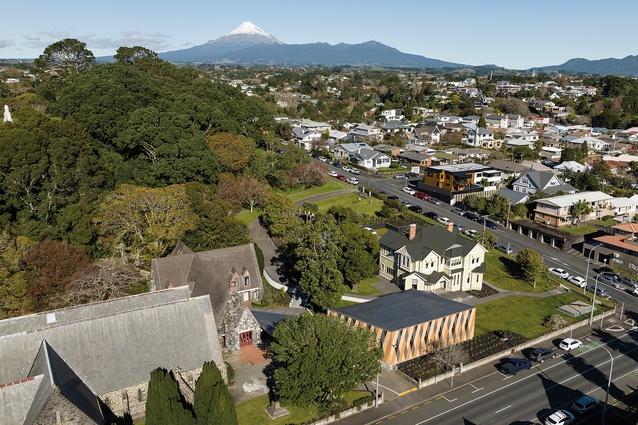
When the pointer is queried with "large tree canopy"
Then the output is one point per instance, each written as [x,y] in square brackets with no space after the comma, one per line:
[65,57]
[321,358]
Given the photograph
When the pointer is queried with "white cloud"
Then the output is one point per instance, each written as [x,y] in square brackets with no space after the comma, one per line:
[5,42]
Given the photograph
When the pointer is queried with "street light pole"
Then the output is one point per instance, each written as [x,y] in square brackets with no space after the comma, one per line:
[611,370]
[593,301]
[591,251]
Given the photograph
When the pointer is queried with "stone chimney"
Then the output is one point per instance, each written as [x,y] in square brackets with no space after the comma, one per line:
[412,231]
[450,226]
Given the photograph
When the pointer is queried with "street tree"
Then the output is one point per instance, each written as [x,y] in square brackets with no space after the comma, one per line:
[581,209]
[321,358]
[214,405]
[65,58]
[530,265]
[165,404]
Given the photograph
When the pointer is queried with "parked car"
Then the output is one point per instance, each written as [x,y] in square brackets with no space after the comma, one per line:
[458,211]
[608,279]
[392,197]
[488,223]
[415,208]
[332,173]
[353,181]
[371,230]
[629,281]
[471,233]
[412,174]
[459,226]
[569,344]
[345,168]
[443,220]
[585,404]
[422,195]
[577,280]
[431,214]
[635,292]
[336,164]
[515,365]
[560,417]
[601,292]
[609,271]
[540,354]
[341,177]
[409,190]
[399,176]
[434,201]
[504,248]
[559,272]
[406,204]
[355,171]
[472,215]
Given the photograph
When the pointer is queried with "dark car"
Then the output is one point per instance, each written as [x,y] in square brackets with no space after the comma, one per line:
[609,271]
[415,208]
[540,354]
[472,215]
[431,214]
[515,365]
[434,201]
[488,223]
[393,198]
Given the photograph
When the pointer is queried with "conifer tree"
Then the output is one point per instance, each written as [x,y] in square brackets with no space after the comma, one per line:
[213,402]
[165,405]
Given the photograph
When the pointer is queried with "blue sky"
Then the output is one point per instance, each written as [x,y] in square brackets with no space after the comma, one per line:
[513,34]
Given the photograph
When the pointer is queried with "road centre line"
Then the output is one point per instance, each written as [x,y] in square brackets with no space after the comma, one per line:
[504,408]
[515,382]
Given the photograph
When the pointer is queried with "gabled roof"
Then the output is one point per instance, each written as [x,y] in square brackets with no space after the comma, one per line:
[426,240]
[514,197]
[569,200]
[403,309]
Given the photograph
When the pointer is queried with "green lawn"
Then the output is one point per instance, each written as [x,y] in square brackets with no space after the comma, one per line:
[331,186]
[585,229]
[520,314]
[351,200]
[343,303]
[501,272]
[365,287]
[252,412]
[246,216]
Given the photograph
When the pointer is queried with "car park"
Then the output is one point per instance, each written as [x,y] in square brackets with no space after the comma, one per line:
[541,354]
[601,292]
[371,230]
[443,220]
[569,344]
[434,201]
[577,280]
[415,208]
[504,248]
[560,417]
[409,190]
[515,365]
[608,279]
[558,272]
[422,195]
[585,404]
[332,173]
[353,181]
[431,214]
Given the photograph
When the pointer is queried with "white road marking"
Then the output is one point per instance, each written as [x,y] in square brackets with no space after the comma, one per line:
[504,408]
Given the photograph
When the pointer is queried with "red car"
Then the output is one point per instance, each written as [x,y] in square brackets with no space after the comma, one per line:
[341,177]
[422,195]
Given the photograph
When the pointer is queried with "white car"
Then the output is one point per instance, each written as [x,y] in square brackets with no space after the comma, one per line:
[560,417]
[345,168]
[332,173]
[409,190]
[353,181]
[471,233]
[569,344]
[444,220]
[559,272]
[370,229]
[578,281]
[399,176]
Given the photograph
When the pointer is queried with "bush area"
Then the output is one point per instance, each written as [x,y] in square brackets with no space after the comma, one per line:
[485,291]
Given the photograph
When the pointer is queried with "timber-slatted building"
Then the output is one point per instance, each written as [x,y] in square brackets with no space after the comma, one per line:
[411,323]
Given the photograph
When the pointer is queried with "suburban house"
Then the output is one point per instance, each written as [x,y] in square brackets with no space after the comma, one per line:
[544,181]
[230,277]
[387,149]
[619,250]
[392,115]
[89,364]
[416,158]
[366,132]
[306,138]
[481,137]
[460,176]
[370,159]
[343,151]
[557,211]
[426,134]
[431,259]
[392,127]
[410,324]
[623,209]
[496,120]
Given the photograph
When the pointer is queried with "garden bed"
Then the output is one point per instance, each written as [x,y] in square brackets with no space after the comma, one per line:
[485,291]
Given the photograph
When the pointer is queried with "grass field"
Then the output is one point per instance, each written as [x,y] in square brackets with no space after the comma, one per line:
[351,200]
[365,287]
[501,272]
[331,186]
[252,412]
[520,314]
[580,230]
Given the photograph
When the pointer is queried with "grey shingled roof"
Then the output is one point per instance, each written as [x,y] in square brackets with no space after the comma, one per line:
[209,272]
[16,399]
[118,348]
[403,309]
[426,240]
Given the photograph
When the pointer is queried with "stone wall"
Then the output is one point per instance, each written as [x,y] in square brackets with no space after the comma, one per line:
[59,410]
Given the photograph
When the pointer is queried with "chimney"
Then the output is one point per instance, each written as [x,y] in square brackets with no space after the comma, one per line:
[450,226]
[412,231]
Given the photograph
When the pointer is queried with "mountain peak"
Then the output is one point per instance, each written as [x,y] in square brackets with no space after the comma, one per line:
[248,27]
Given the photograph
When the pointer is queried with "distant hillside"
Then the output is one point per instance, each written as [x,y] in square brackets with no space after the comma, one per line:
[611,66]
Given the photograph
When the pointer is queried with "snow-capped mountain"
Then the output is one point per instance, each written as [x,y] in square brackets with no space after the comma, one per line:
[244,36]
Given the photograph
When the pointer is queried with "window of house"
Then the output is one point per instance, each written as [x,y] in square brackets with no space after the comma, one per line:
[246,279]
